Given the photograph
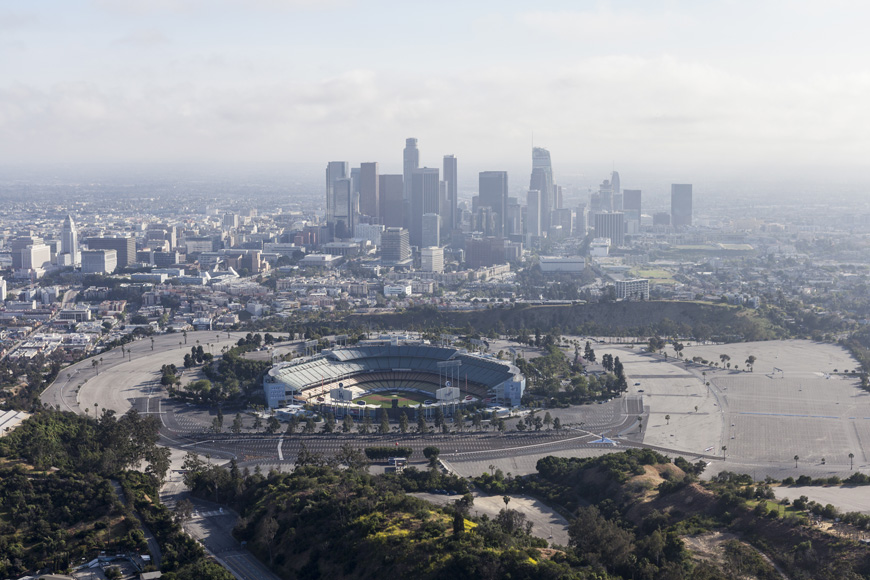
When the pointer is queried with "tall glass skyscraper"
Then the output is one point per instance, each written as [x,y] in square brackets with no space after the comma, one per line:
[411,161]
[449,218]
[542,181]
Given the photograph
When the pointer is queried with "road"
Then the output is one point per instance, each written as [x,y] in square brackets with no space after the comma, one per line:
[212,525]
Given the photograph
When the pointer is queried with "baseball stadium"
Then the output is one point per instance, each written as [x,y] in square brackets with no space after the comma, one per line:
[361,379]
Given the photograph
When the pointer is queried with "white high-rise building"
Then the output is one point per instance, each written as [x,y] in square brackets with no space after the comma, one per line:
[69,241]
[99,261]
[2,290]
[432,259]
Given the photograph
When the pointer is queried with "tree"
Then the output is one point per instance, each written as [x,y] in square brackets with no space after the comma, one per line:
[750,362]
[422,427]
[266,534]
[548,420]
[668,419]
[272,425]
[237,424]
[366,425]
[796,458]
[347,426]
[292,425]
[310,426]
[724,449]
[403,422]
[851,460]
[431,453]
[183,510]
[724,358]
[220,419]
[329,423]
[439,417]
[385,423]
[557,424]
[506,499]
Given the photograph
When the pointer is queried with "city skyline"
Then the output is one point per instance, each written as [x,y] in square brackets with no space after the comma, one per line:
[188,81]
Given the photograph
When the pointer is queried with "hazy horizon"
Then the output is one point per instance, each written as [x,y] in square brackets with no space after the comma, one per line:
[679,89]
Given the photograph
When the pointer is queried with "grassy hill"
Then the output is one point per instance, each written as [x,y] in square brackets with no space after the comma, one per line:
[702,320]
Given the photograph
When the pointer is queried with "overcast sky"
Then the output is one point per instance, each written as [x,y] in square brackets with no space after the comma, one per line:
[693,84]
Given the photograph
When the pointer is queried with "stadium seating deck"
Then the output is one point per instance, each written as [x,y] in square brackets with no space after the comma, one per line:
[373,368]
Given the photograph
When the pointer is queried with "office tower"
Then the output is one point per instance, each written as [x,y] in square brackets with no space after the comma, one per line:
[395,245]
[369,232]
[335,170]
[563,218]
[533,212]
[3,289]
[69,240]
[425,192]
[432,259]
[557,196]
[542,181]
[484,252]
[411,161]
[681,204]
[354,178]
[230,221]
[450,176]
[343,208]
[493,193]
[514,219]
[369,193]
[614,183]
[611,225]
[605,195]
[581,221]
[161,237]
[99,261]
[661,218]
[431,230]
[391,191]
[631,204]
[125,247]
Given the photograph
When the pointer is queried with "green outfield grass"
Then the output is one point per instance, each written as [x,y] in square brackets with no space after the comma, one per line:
[406,398]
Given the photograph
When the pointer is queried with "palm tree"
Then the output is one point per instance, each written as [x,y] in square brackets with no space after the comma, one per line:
[851,460]
[795,461]
[668,419]
[724,449]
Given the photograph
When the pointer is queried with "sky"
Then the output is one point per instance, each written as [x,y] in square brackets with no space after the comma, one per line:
[685,86]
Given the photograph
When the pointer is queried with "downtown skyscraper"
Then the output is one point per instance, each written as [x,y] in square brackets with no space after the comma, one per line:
[493,193]
[542,181]
[449,221]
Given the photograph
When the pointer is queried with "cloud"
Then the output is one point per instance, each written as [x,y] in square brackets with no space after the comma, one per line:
[603,25]
[653,110]
[143,38]
[126,7]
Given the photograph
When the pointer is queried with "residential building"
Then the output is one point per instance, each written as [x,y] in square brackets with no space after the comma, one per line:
[637,289]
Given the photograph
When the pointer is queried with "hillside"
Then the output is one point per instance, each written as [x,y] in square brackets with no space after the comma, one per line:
[701,320]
